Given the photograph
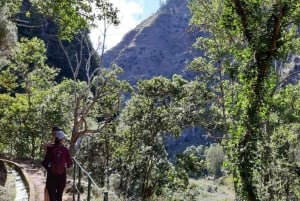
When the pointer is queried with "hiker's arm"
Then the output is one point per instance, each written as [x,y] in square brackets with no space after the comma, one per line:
[46,161]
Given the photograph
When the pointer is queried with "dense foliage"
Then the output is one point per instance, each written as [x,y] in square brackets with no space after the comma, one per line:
[240,97]
[248,46]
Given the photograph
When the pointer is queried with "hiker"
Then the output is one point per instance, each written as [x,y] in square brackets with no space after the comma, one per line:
[54,130]
[46,146]
[56,161]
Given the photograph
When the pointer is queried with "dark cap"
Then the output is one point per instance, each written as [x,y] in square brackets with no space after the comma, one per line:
[56,128]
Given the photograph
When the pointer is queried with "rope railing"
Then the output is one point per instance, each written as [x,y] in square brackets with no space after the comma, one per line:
[78,173]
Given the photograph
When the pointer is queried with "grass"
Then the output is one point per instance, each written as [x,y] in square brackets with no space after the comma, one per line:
[214,189]
[207,189]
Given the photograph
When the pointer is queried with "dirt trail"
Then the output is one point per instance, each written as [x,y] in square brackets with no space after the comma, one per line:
[37,176]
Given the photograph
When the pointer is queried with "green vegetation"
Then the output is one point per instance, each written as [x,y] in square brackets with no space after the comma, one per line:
[248,45]
[117,131]
[215,158]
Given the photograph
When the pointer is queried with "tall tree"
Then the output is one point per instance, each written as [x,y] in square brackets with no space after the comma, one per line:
[152,112]
[246,40]
[102,95]
[102,91]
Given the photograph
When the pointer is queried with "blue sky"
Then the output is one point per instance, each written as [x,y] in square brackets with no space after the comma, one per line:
[149,7]
[132,12]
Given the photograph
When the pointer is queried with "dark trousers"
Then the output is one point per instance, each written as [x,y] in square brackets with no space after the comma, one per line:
[55,185]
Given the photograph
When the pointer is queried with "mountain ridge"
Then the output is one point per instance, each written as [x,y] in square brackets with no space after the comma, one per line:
[160,45]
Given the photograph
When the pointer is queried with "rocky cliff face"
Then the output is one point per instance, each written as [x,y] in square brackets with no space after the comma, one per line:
[163,45]
[160,45]
[45,29]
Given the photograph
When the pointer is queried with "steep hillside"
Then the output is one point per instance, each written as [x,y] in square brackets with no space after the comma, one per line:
[160,45]
[39,26]
[163,45]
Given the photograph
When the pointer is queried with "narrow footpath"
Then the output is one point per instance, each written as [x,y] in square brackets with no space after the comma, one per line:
[37,176]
